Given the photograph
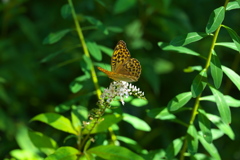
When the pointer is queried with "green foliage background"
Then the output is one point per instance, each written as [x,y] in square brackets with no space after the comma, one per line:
[35,77]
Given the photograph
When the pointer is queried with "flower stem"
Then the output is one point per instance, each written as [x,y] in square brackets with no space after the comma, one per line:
[85,49]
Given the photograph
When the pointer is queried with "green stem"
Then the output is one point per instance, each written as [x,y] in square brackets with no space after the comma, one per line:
[85,50]
[196,105]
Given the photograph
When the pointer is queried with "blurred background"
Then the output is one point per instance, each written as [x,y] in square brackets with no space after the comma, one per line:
[35,77]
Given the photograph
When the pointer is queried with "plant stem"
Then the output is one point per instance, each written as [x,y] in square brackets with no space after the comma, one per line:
[85,49]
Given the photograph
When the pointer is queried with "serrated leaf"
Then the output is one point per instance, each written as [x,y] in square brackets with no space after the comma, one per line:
[199,83]
[233,5]
[94,50]
[215,20]
[161,113]
[216,70]
[44,143]
[136,122]
[188,38]
[55,120]
[114,152]
[210,148]
[179,101]
[234,36]
[174,148]
[180,49]
[230,45]
[55,37]
[68,153]
[232,102]
[222,105]
[225,128]
[233,76]
[192,140]
[205,125]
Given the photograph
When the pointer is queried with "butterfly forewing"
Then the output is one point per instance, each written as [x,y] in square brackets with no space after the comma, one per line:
[120,56]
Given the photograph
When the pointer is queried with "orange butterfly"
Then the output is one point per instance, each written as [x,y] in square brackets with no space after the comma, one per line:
[124,68]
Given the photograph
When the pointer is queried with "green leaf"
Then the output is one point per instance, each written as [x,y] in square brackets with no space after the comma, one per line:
[55,37]
[210,148]
[174,148]
[192,140]
[225,128]
[112,152]
[233,76]
[123,5]
[94,50]
[216,70]
[222,105]
[232,5]
[136,122]
[77,84]
[103,124]
[205,125]
[215,20]
[104,49]
[56,121]
[68,153]
[139,102]
[44,143]
[199,83]
[179,101]
[230,45]
[188,38]
[161,113]
[192,68]
[234,36]
[180,49]
[232,102]
[66,11]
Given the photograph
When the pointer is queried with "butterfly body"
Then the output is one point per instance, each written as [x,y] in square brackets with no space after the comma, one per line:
[123,67]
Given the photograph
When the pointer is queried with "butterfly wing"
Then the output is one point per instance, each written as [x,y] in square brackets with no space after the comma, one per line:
[120,55]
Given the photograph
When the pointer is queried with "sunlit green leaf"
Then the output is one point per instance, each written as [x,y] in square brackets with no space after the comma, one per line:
[174,148]
[222,105]
[188,38]
[233,5]
[205,125]
[179,101]
[44,143]
[230,45]
[192,140]
[215,20]
[56,121]
[234,36]
[68,153]
[216,70]
[77,84]
[232,102]
[199,83]
[136,122]
[103,125]
[210,148]
[139,102]
[161,113]
[225,128]
[114,153]
[184,50]
[233,76]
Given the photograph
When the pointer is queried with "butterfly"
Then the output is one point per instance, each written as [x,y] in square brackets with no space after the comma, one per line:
[123,67]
